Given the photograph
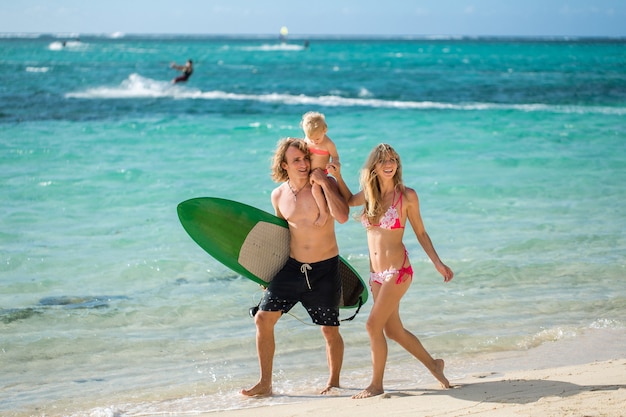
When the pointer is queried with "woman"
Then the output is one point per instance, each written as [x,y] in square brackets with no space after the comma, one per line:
[388,204]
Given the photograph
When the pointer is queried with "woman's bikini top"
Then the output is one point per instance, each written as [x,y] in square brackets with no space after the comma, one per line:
[391,218]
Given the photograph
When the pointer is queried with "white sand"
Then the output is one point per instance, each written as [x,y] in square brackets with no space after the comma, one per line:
[594,389]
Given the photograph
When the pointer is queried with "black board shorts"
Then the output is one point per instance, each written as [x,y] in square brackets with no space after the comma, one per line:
[317,286]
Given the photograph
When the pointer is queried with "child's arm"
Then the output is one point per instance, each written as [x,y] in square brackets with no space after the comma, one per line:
[332,149]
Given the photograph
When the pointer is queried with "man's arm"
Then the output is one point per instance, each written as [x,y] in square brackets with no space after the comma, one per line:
[337,206]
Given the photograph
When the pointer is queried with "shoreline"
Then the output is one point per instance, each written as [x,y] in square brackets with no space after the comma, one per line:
[596,388]
[592,389]
[580,373]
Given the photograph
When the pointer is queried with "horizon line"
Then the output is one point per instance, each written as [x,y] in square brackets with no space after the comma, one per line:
[120,34]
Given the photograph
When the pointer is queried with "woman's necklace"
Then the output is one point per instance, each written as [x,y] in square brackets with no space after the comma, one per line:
[294,192]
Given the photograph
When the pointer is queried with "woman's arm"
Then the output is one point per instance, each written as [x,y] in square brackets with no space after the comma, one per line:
[352,199]
[415,218]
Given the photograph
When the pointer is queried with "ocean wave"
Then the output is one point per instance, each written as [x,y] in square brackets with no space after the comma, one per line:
[276,47]
[136,86]
[60,45]
[37,69]
[19,35]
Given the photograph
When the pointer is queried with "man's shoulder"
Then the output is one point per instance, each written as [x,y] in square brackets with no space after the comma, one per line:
[277,193]
[279,189]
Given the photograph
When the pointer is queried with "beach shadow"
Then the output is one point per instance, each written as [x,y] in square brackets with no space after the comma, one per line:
[515,391]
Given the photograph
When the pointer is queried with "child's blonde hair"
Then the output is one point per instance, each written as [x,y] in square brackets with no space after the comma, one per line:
[313,122]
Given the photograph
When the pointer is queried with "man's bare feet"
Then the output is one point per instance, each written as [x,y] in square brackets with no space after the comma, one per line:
[257,391]
[328,389]
[369,392]
[438,373]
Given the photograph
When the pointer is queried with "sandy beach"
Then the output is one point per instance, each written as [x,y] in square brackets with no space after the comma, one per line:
[593,389]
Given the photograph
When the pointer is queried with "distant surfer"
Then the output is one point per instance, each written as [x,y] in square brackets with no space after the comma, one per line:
[186,69]
[311,274]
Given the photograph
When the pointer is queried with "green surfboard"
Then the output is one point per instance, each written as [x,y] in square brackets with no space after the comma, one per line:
[252,242]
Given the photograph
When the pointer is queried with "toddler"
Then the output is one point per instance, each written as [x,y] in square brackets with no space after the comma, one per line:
[323,152]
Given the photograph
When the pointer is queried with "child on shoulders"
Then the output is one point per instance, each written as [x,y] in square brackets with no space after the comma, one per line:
[323,152]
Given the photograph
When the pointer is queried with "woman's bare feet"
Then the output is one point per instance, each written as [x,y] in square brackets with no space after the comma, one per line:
[369,392]
[438,373]
[257,391]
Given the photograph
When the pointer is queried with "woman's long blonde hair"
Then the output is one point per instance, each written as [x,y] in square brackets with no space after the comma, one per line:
[373,207]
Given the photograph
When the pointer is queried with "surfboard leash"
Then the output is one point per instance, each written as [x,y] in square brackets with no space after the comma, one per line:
[253,310]
[356,312]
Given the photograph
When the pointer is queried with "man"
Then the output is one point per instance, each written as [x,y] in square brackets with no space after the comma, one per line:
[186,69]
[311,274]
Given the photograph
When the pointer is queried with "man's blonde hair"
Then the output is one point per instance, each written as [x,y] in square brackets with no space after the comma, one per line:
[279,174]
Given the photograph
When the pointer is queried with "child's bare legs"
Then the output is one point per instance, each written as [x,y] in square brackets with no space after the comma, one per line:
[320,200]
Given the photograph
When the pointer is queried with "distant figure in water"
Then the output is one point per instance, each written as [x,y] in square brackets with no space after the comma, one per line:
[187,70]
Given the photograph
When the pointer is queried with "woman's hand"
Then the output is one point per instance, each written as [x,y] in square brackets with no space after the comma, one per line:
[445,272]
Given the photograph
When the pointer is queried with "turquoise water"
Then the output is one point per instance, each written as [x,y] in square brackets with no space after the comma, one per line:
[516,148]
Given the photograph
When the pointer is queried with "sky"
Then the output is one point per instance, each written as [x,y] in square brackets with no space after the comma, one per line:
[576,18]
